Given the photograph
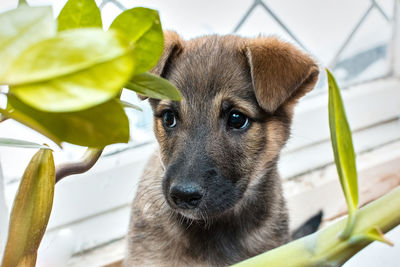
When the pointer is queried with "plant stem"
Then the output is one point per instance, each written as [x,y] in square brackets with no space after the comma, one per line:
[84,164]
[325,247]
[22,2]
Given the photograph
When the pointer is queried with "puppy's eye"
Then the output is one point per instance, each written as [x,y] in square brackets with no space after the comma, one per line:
[169,119]
[237,120]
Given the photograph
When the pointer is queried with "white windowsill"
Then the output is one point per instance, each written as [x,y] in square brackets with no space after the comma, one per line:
[379,169]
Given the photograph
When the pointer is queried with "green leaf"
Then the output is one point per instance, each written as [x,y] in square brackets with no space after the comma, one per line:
[79,14]
[153,86]
[20,143]
[30,122]
[343,150]
[130,105]
[73,71]
[98,126]
[375,234]
[31,211]
[19,29]
[142,26]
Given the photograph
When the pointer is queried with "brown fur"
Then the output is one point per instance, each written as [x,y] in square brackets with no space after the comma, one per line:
[243,212]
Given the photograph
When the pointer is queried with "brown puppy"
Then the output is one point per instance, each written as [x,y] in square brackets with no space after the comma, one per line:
[211,195]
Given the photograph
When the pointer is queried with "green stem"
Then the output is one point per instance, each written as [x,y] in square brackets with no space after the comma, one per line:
[325,247]
[351,222]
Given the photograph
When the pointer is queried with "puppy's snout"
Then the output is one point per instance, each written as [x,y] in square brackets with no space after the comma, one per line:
[186,196]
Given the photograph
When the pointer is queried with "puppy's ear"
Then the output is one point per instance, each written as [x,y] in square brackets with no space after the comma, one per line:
[173,45]
[280,72]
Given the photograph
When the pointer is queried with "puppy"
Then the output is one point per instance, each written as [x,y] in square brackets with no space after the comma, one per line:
[211,195]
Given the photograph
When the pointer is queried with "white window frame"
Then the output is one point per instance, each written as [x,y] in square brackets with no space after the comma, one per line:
[99,199]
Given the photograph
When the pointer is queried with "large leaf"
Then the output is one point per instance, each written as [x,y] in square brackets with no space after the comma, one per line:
[153,86]
[79,14]
[343,150]
[98,126]
[73,71]
[20,143]
[31,211]
[19,29]
[142,26]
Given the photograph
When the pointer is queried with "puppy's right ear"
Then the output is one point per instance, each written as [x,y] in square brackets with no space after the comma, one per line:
[173,45]
[280,72]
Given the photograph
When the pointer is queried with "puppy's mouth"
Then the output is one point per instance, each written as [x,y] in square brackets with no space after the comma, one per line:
[193,215]
[197,214]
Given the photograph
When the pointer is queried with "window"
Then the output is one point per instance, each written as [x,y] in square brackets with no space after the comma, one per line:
[353,38]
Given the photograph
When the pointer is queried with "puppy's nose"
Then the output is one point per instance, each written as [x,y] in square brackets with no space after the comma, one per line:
[186,196]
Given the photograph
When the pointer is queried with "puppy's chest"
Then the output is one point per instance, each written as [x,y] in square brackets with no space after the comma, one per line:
[216,245]
[183,244]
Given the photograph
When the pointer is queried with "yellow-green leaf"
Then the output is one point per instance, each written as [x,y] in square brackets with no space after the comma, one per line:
[73,71]
[19,29]
[98,126]
[79,14]
[153,86]
[31,211]
[30,122]
[343,150]
[143,28]
[376,234]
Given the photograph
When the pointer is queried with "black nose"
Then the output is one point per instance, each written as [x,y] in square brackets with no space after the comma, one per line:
[186,196]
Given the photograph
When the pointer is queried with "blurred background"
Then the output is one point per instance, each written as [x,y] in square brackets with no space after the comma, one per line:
[357,40]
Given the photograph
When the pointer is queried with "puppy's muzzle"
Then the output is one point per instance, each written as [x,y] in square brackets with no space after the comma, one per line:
[186,195]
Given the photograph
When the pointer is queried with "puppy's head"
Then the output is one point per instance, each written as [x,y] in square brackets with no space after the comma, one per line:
[237,101]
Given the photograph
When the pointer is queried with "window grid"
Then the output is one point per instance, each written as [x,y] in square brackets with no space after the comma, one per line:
[355,65]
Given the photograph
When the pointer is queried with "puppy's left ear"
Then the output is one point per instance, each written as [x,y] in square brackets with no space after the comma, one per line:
[280,72]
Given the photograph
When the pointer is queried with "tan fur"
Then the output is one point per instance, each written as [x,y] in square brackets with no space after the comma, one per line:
[262,78]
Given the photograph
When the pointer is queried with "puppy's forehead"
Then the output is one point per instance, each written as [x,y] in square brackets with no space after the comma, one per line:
[211,66]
